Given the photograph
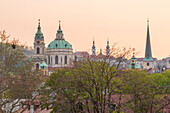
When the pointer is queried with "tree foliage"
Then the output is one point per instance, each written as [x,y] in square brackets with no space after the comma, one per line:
[17,79]
[98,85]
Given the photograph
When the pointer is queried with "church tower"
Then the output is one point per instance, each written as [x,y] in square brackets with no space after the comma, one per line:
[148,60]
[39,47]
[93,48]
[107,49]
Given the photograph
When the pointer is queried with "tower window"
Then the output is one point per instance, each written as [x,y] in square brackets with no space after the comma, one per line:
[56,59]
[48,59]
[65,45]
[51,60]
[65,60]
[38,42]
[61,60]
[38,50]
[37,66]
[56,45]
[147,64]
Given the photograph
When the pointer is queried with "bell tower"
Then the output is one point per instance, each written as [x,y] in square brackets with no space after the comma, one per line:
[39,47]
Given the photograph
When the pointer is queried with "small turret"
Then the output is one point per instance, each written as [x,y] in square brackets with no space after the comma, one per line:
[93,48]
[133,61]
[44,68]
[107,49]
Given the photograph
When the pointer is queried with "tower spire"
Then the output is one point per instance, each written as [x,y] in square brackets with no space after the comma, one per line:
[148,52]
[107,48]
[39,34]
[39,27]
[59,25]
[93,48]
[59,35]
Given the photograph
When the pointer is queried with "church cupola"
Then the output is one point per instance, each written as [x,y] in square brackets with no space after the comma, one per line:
[93,48]
[107,49]
[59,35]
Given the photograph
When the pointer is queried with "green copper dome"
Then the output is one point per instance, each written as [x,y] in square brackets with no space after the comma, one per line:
[39,34]
[59,44]
[44,65]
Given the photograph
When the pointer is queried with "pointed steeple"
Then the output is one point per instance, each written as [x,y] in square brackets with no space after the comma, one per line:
[59,35]
[39,34]
[107,48]
[148,52]
[93,48]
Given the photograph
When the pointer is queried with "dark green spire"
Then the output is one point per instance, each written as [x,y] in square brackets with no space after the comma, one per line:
[39,34]
[148,52]
[39,28]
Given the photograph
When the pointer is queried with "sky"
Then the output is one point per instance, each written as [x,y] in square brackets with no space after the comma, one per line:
[121,21]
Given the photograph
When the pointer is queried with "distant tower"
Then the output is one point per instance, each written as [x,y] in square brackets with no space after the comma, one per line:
[39,47]
[133,61]
[148,60]
[93,48]
[107,49]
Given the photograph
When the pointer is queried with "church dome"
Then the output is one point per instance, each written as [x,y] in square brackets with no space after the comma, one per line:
[59,44]
[44,65]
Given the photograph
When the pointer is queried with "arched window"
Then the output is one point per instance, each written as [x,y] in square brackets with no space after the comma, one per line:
[65,60]
[38,50]
[49,59]
[37,66]
[61,60]
[56,59]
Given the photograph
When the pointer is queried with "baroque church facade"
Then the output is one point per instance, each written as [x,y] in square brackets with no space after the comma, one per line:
[58,54]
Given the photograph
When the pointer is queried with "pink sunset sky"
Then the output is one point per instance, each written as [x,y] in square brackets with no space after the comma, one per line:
[122,21]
